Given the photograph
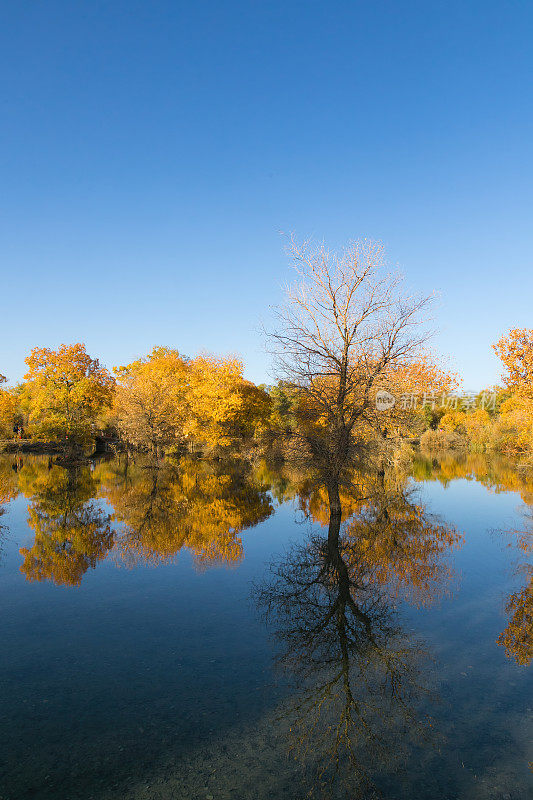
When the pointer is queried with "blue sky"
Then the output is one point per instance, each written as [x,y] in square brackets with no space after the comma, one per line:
[152,152]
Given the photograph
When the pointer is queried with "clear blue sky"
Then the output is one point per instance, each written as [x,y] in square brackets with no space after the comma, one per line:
[151,153]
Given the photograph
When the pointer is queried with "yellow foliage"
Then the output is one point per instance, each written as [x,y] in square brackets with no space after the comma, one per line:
[72,534]
[166,399]
[516,352]
[421,377]
[514,427]
[9,404]
[513,431]
[517,638]
[214,399]
[150,404]
[166,509]
[65,391]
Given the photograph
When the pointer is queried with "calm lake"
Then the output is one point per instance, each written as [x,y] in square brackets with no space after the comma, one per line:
[196,632]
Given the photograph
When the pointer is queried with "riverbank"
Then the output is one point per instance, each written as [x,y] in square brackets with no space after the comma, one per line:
[29,446]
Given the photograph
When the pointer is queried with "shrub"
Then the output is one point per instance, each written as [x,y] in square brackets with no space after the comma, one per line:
[441,440]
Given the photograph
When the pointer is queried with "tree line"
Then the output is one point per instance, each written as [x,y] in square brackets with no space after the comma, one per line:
[347,334]
[162,401]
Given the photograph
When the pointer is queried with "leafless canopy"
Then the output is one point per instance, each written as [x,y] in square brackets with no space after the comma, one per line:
[345,323]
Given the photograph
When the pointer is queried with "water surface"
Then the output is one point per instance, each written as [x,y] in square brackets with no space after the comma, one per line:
[185,632]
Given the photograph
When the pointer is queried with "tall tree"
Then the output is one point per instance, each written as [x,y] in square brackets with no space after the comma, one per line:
[65,391]
[345,331]
[217,400]
[9,404]
[150,403]
[516,352]
[166,399]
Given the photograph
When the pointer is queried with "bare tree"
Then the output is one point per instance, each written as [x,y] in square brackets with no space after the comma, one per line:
[359,676]
[346,325]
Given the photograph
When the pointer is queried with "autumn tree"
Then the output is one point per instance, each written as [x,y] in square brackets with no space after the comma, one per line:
[222,406]
[166,399]
[419,375]
[284,404]
[346,326]
[251,417]
[65,391]
[151,399]
[9,408]
[516,413]
[516,352]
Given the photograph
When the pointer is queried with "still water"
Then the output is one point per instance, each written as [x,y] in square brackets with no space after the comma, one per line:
[198,632]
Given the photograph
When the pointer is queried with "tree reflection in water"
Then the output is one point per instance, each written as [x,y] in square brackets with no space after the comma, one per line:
[499,475]
[72,532]
[187,504]
[158,509]
[360,677]
[8,489]
[517,638]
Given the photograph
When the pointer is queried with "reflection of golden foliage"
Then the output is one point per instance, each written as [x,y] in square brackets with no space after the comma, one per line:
[498,475]
[306,487]
[358,677]
[55,488]
[404,547]
[401,543]
[64,549]
[517,638]
[72,533]
[518,635]
[185,505]
[8,480]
